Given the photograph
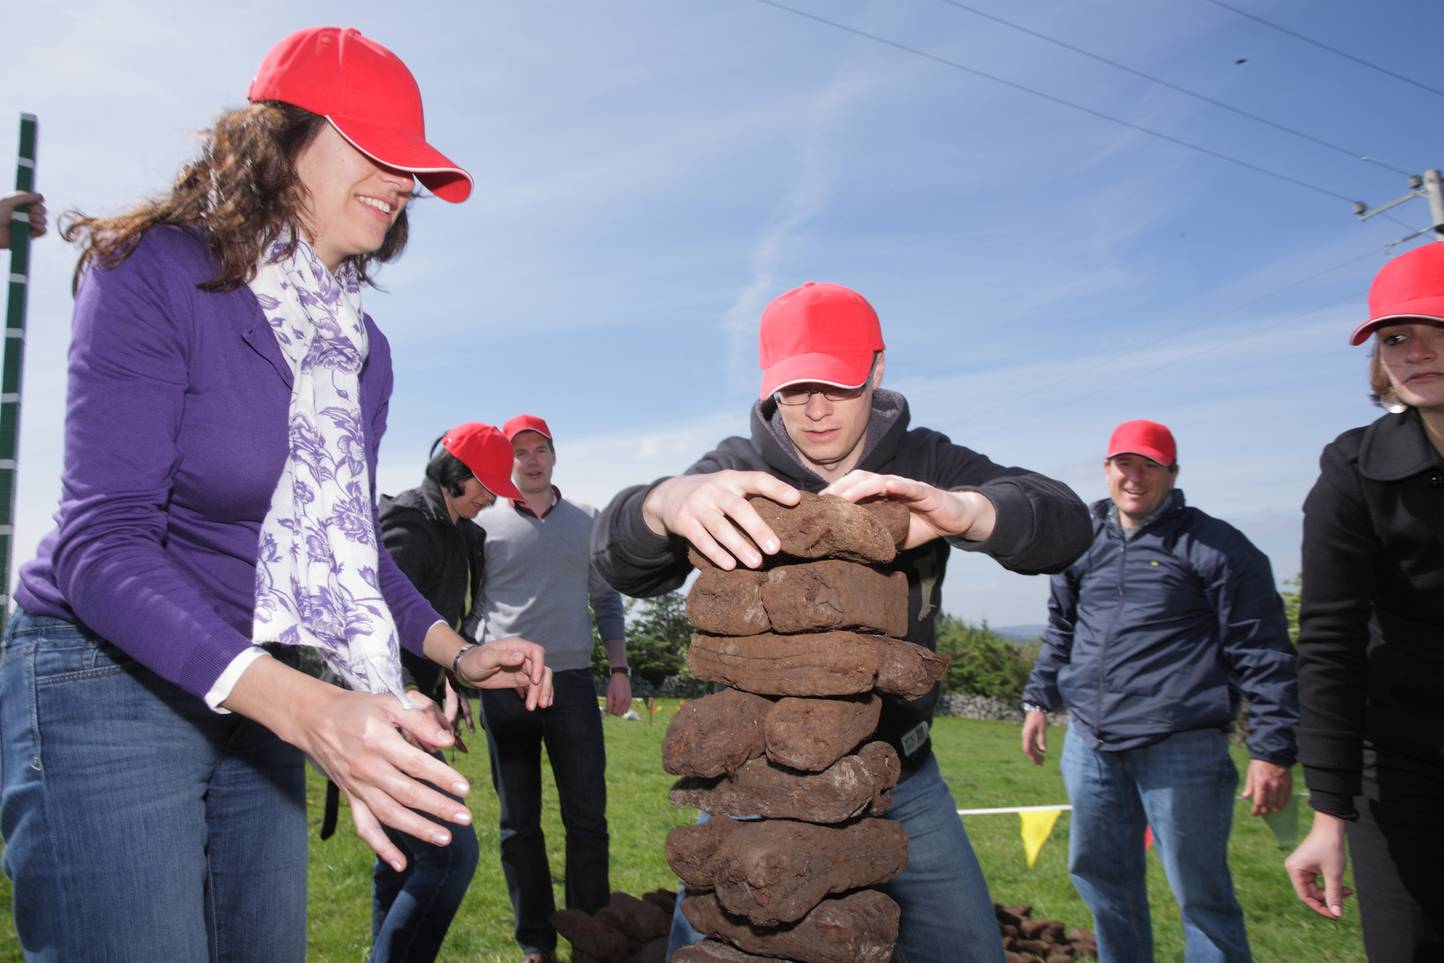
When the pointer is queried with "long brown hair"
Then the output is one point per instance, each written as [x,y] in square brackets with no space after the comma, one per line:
[1381,389]
[242,192]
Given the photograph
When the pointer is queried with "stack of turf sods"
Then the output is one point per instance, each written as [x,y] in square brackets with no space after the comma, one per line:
[806,645]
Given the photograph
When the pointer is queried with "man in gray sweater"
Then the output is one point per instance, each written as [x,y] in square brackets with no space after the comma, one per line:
[538,584]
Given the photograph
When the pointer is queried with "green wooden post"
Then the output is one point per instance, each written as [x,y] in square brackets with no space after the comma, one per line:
[11,368]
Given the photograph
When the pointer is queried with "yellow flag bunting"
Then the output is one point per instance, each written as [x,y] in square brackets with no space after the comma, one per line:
[1036,827]
[1036,823]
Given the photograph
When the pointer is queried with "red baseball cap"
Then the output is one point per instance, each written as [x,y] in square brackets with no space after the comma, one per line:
[1146,438]
[521,423]
[487,453]
[367,94]
[819,332]
[1409,286]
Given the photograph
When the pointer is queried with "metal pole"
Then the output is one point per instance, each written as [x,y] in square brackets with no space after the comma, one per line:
[14,354]
[1435,189]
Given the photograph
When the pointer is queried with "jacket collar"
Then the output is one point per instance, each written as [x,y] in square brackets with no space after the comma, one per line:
[1106,516]
[887,424]
[435,501]
[1395,447]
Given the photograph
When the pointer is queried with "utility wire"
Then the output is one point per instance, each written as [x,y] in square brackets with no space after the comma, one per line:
[1356,155]
[1059,100]
[1324,46]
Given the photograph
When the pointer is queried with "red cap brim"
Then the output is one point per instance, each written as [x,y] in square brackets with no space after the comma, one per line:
[844,371]
[500,487]
[407,152]
[1362,332]
[1147,451]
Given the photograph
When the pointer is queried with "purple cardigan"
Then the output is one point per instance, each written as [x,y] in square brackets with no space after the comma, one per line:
[175,433]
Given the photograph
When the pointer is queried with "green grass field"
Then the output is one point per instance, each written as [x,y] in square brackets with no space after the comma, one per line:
[983,765]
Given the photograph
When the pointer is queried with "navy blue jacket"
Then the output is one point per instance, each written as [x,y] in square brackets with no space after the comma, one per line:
[1163,633]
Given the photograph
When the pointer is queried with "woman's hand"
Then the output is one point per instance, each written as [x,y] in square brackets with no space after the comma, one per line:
[510,663]
[356,739]
[1321,853]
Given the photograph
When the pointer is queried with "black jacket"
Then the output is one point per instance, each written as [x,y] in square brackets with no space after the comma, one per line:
[1164,631]
[1371,622]
[1042,526]
[443,560]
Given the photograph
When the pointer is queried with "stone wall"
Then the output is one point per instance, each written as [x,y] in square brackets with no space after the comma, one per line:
[987,707]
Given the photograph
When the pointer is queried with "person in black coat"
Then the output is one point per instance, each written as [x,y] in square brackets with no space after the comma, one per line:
[430,535]
[1371,634]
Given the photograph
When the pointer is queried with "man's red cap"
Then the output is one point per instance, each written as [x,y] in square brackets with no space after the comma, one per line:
[1146,438]
[819,332]
[1410,286]
[487,453]
[367,94]
[521,423]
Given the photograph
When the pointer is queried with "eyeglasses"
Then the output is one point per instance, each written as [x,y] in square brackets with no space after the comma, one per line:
[802,394]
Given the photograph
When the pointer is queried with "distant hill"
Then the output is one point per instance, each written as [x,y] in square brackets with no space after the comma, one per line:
[1018,633]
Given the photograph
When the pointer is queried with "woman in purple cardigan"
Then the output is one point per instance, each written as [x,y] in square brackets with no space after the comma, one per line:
[227,397]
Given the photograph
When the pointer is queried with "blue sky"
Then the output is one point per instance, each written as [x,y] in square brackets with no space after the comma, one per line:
[649,174]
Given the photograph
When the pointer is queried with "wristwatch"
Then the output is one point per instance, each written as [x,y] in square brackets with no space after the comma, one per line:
[625,670]
[1030,707]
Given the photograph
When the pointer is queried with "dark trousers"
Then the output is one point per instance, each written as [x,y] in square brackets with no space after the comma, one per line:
[412,910]
[571,729]
[1398,846]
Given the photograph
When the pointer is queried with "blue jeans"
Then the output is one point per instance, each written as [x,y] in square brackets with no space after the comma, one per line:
[1183,788]
[140,825]
[571,728]
[412,910]
[947,913]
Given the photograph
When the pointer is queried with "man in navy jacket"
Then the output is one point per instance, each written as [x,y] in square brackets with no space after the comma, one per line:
[1154,636]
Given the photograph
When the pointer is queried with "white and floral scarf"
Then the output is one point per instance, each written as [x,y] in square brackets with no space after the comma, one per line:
[316,565]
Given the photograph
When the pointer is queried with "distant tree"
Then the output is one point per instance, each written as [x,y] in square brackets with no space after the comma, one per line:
[984,663]
[1291,593]
[657,637]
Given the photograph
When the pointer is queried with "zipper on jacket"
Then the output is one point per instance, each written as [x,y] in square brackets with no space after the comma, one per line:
[1112,626]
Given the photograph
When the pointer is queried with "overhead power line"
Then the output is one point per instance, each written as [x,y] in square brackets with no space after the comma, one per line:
[1356,155]
[1323,46]
[955,65]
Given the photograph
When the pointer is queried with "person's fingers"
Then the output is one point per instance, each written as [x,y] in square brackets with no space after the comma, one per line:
[390,787]
[1302,879]
[1333,892]
[761,483]
[700,537]
[538,695]
[735,525]
[427,727]
[371,833]
[855,486]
